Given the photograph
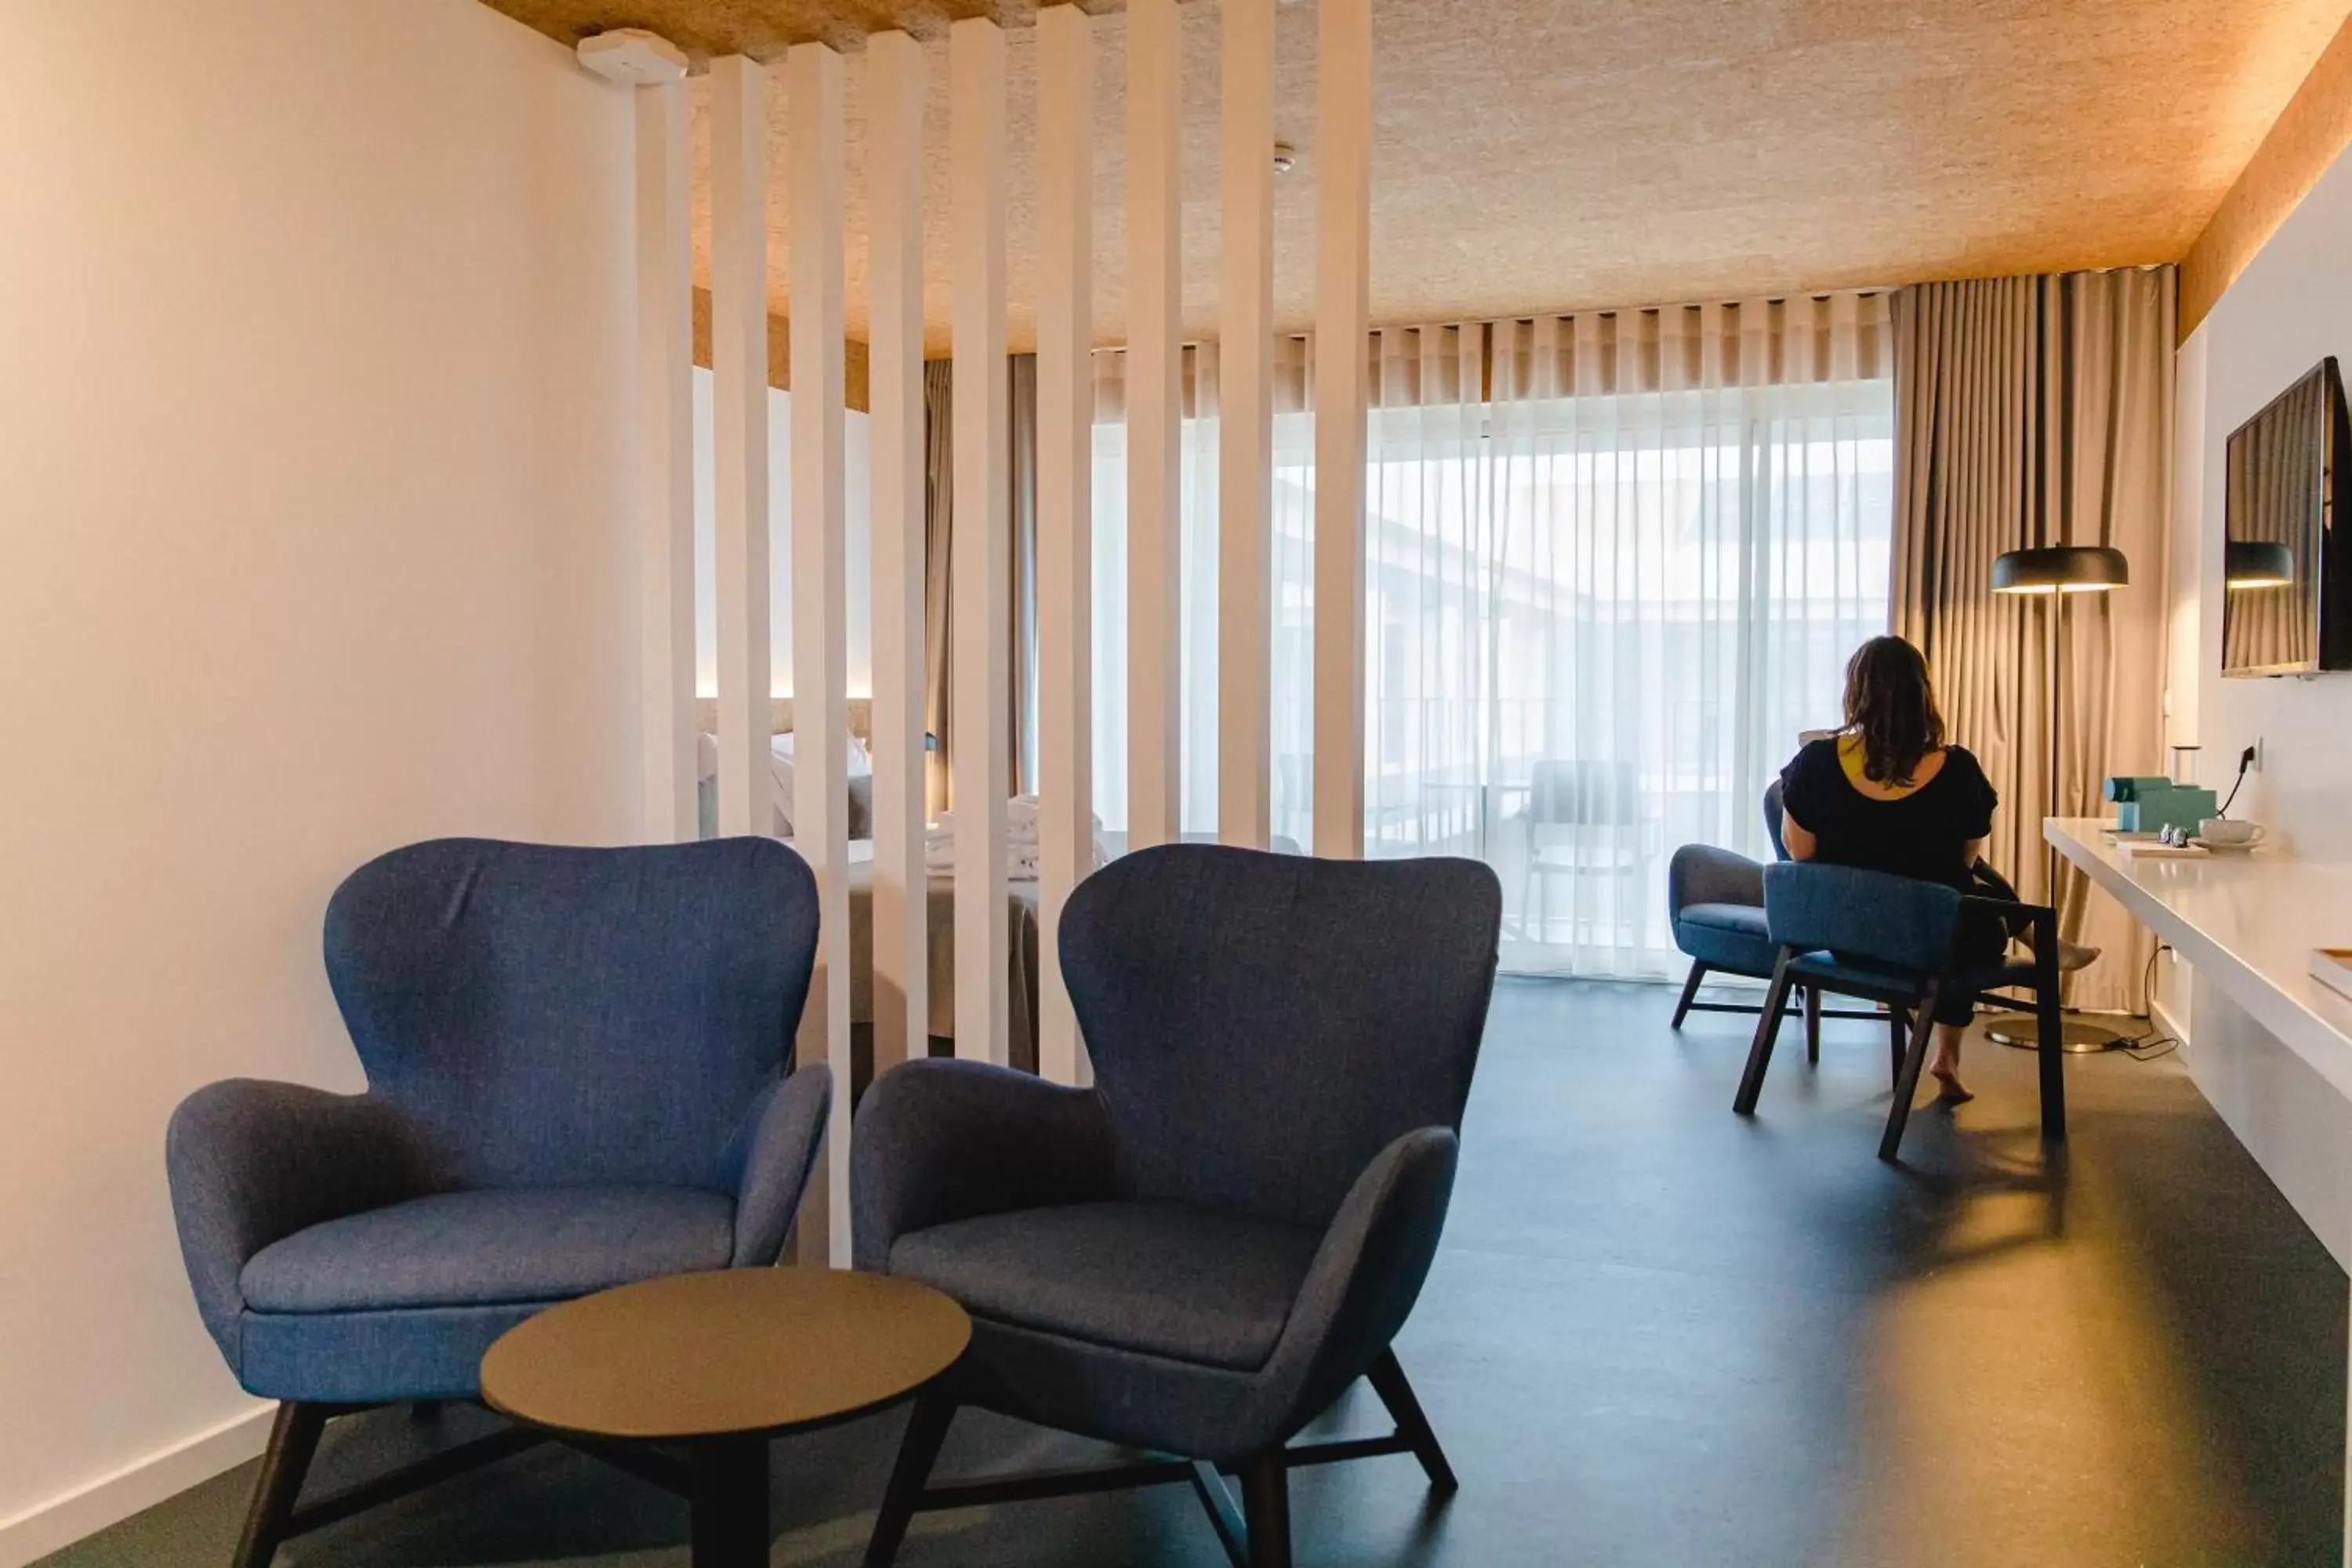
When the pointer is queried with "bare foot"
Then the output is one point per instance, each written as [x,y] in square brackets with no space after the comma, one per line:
[2071,955]
[1948,1087]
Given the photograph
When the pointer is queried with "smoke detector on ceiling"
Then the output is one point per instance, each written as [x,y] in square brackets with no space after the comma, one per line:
[633,56]
[1286,157]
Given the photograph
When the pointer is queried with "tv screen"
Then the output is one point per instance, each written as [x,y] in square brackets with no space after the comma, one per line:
[2284,608]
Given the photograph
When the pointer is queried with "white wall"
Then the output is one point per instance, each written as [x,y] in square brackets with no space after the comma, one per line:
[857,510]
[2292,305]
[315,339]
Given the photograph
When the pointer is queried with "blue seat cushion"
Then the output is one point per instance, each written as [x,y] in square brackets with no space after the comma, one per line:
[492,1246]
[372,1358]
[1196,1285]
[1834,972]
[1729,936]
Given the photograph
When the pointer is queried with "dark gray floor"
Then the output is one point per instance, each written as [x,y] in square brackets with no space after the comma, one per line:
[1661,1335]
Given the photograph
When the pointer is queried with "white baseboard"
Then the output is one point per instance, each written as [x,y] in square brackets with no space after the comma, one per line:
[54,1525]
[2165,1023]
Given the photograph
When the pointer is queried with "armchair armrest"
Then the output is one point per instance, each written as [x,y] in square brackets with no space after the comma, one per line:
[944,1140]
[251,1162]
[1703,874]
[2020,919]
[772,1162]
[1368,1271]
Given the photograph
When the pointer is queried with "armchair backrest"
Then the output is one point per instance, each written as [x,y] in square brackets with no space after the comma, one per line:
[1262,1025]
[1875,917]
[1585,794]
[546,1016]
[1774,813]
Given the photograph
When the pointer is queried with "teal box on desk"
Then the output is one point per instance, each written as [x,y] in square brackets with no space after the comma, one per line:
[2151,805]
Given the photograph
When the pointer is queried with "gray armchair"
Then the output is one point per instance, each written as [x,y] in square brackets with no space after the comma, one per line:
[1199,1255]
[579,1076]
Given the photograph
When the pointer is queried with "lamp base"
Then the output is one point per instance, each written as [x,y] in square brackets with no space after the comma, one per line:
[2082,1037]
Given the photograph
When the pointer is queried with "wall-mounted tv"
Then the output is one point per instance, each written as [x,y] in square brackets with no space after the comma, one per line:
[2288,605]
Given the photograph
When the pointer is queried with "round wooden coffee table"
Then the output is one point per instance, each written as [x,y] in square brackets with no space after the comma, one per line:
[717,1364]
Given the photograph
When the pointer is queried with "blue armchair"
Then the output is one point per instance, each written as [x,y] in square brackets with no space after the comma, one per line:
[1715,903]
[1897,941]
[579,1076]
[1198,1254]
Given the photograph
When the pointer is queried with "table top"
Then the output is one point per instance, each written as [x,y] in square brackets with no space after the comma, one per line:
[2246,924]
[731,1352]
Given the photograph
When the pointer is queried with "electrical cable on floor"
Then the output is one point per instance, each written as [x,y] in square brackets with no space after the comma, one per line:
[2148,1047]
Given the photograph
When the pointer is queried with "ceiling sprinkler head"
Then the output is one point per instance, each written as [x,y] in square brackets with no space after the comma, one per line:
[1286,157]
[633,56]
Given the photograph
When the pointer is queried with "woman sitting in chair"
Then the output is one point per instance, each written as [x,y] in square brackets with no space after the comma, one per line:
[1885,794]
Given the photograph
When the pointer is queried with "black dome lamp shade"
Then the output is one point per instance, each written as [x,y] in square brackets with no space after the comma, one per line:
[2256,563]
[2060,569]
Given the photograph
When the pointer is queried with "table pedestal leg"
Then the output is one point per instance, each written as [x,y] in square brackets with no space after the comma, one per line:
[730,1503]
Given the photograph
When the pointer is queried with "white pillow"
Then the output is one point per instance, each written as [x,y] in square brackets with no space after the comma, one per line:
[860,765]
[780,790]
[780,773]
[860,760]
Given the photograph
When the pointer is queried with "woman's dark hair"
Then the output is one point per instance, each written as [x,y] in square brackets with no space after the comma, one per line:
[1891,705]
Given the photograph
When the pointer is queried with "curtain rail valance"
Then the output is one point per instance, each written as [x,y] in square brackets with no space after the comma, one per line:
[1799,339]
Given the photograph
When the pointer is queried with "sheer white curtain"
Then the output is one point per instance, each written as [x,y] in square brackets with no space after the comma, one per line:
[1630,596]
[1615,564]
[1197,692]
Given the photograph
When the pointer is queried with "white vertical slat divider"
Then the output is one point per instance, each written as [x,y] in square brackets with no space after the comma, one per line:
[819,583]
[980,567]
[666,421]
[1066,71]
[894,270]
[1245,430]
[1343,118]
[1154,407]
[739,376]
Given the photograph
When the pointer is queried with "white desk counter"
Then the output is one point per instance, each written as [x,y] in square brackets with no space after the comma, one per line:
[2245,923]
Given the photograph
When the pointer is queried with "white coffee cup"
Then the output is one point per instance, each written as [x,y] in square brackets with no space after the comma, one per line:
[2230,831]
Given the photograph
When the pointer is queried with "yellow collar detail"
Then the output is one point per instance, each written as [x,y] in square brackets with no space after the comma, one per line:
[1851,758]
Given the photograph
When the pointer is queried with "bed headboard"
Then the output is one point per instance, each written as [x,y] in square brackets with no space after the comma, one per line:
[780,716]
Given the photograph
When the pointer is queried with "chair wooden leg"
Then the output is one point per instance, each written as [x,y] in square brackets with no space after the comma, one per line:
[2051,1029]
[1906,1083]
[293,1440]
[1265,1501]
[1899,1034]
[927,1429]
[1388,1380]
[1690,994]
[1813,1025]
[1768,1028]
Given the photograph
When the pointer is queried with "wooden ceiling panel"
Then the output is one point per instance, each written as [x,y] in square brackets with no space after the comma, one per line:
[1548,155]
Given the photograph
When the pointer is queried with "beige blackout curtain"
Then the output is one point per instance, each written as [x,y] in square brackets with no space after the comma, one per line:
[939,540]
[2039,411]
[938,526]
[1023,427]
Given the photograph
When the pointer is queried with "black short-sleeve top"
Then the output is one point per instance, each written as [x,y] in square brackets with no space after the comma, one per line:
[1923,833]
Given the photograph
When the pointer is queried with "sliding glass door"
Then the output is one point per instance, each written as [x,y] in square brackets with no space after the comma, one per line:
[1596,626]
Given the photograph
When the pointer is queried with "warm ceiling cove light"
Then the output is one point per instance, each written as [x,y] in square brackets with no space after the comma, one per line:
[2060,569]
[2256,563]
[633,56]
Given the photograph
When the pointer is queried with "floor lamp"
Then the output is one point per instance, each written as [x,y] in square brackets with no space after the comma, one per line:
[2057,572]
